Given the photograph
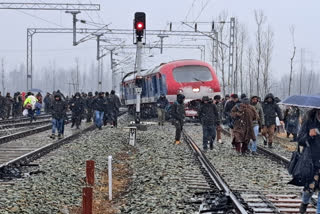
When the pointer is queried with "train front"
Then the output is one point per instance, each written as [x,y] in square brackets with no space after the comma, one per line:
[192,78]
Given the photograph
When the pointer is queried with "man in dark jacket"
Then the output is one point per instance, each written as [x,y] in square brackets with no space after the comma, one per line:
[47,103]
[17,105]
[178,114]
[117,104]
[219,105]
[77,107]
[109,110]
[2,106]
[8,105]
[162,102]
[89,106]
[228,107]
[98,107]
[209,117]
[310,133]
[58,110]
[271,110]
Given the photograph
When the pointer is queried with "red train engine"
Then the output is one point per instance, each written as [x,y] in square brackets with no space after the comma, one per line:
[192,78]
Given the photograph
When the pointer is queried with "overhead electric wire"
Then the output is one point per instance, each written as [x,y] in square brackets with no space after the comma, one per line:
[37,17]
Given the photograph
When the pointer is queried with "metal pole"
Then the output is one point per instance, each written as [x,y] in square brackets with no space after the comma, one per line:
[111,67]
[110,176]
[74,23]
[138,89]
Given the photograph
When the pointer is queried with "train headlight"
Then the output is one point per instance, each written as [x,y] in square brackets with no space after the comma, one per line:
[180,91]
[210,90]
[196,90]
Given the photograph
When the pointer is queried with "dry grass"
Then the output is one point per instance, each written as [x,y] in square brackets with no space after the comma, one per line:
[121,177]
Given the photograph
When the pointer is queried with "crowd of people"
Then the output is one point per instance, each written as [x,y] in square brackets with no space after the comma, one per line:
[246,118]
[243,116]
[101,107]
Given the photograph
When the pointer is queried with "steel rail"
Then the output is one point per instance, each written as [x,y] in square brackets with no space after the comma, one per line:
[31,156]
[36,154]
[23,118]
[22,134]
[276,157]
[17,125]
[213,173]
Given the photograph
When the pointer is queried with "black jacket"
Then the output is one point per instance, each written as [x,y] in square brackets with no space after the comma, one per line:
[98,103]
[177,111]
[208,114]
[77,106]
[162,102]
[89,102]
[59,109]
[314,142]
[271,111]
[109,105]
[116,101]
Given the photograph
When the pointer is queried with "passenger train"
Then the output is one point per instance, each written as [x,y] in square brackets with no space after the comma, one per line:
[192,78]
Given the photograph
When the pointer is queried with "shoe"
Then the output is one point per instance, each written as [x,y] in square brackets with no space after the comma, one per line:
[59,136]
[100,128]
[211,146]
[53,136]
[72,125]
[270,145]
[254,153]
[303,208]
[220,141]
[264,140]
[159,124]
[177,142]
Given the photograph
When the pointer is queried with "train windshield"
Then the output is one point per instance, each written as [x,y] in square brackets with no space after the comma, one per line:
[192,73]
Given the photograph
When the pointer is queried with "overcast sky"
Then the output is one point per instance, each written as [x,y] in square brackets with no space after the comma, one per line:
[304,15]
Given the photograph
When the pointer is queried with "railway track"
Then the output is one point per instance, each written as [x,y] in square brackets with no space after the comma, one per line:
[269,193]
[216,182]
[20,153]
[23,119]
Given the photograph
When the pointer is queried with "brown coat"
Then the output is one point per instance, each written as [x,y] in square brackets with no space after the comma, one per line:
[243,116]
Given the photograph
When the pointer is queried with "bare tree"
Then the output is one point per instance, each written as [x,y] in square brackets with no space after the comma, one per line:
[267,48]
[301,69]
[260,19]
[3,76]
[250,69]
[292,58]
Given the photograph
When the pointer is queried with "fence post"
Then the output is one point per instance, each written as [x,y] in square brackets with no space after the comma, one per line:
[87,196]
[90,172]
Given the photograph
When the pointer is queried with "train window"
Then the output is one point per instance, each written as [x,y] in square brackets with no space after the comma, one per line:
[192,73]
[154,83]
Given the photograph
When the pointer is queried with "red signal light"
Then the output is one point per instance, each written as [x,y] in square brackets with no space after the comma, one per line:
[139,26]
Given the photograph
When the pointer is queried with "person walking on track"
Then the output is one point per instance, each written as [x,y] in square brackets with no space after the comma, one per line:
[98,107]
[243,115]
[209,118]
[58,110]
[271,110]
[162,103]
[259,122]
[178,114]
[309,135]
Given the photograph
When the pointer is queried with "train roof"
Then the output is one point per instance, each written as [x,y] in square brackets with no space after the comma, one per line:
[132,75]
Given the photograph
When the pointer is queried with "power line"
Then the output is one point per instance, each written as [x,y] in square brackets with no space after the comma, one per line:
[37,17]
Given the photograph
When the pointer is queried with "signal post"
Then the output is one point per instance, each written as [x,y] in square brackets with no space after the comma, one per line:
[139,27]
